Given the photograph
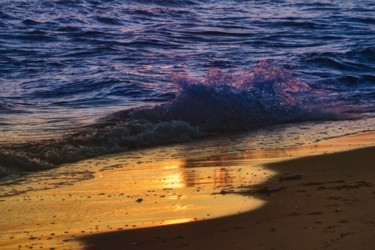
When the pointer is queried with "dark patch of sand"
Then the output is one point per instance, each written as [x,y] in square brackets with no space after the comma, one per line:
[318,202]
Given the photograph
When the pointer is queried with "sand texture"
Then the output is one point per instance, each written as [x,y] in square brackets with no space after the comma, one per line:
[315,196]
[317,202]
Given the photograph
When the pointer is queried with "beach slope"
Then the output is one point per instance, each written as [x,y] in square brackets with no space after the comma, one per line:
[315,202]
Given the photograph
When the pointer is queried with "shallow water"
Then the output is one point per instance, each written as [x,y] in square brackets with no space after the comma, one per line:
[130,190]
[65,64]
[211,149]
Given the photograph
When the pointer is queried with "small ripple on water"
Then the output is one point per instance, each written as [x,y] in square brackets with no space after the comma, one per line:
[67,63]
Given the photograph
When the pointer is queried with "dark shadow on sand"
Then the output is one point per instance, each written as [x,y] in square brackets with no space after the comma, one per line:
[316,180]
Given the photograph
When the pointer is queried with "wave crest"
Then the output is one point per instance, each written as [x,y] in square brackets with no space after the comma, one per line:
[261,96]
[221,102]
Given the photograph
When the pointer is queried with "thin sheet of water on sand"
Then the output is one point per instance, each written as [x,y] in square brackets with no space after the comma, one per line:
[141,189]
[145,188]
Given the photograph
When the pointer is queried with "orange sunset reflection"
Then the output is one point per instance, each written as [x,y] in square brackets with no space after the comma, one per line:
[143,189]
[135,190]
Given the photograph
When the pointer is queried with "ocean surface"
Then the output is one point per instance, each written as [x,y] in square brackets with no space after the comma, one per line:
[84,78]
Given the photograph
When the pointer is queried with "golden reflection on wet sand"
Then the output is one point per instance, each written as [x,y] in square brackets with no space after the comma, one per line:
[146,188]
[127,194]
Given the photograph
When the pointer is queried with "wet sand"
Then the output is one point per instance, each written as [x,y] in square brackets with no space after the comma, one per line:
[317,202]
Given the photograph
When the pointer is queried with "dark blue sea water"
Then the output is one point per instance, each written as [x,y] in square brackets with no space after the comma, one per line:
[78,74]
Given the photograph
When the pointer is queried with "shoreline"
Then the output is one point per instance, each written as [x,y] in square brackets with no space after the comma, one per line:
[329,206]
[131,194]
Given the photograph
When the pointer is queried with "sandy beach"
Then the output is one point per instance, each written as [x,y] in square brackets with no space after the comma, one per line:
[315,196]
[316,202]
[187,124]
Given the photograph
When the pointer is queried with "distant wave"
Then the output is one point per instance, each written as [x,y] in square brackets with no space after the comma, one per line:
[221,102]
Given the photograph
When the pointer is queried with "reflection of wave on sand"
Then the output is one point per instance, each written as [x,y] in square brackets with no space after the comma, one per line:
[132,190]
[281,136]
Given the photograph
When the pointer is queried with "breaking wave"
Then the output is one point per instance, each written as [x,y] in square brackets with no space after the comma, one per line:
[262,96]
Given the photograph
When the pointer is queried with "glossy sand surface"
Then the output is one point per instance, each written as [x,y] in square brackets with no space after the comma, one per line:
[149,188]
